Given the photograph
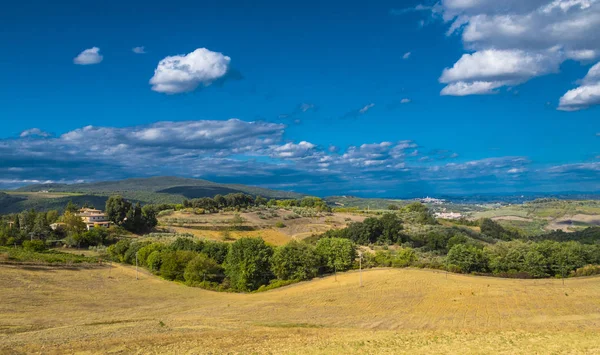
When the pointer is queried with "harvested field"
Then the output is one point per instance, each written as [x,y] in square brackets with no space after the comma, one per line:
[50,311]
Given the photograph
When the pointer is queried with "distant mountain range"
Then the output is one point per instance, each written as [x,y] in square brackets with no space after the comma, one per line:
[144,190]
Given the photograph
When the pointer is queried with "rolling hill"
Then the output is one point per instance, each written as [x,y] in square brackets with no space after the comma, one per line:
[397,311]
[144,190]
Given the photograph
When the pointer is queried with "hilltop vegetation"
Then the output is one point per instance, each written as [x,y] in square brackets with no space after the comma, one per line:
[155,190]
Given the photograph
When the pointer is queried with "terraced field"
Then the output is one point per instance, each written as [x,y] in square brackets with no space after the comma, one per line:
[105,310]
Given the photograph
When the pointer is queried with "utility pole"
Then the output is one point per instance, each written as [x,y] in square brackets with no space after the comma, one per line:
[136,267]
[360,267]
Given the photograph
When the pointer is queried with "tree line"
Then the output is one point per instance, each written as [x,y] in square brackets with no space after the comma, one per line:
[241,200]
[248,264]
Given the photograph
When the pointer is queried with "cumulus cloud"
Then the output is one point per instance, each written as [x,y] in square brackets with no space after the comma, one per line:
[138,50]
[184,73]
[89,56]
[483,72]
[584,96]
[513,41]
[292,150]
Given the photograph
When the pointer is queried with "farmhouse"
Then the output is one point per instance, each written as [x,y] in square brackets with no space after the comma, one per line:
[92,217]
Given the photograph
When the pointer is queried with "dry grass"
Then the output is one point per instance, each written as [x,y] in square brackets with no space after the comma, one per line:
[397,311]
[270,236]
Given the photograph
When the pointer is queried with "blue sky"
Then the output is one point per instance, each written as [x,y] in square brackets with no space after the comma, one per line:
[379,98]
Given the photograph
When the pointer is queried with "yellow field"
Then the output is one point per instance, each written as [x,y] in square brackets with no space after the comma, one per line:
[270,236]
[397,311]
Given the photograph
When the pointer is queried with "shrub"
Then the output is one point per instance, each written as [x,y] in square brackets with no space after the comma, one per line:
[404,257]
[130,255]
[275,284]
[588,270]
[34,245]
[154,261]
[117,251]
[280,225]
[145,251]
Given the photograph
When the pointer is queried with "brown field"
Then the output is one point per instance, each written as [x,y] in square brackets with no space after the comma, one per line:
[105,310]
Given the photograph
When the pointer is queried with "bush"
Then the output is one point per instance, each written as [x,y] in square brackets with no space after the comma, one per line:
[276,284]
[295,261]
[130,255]
[145,251]
[34,245]
[202,269]
[154,261]
[404,257]
[117,251]
[588,270]
[279,225]
[248,264]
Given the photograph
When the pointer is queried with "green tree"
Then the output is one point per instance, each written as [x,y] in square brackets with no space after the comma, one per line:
[248,264]
[145,252]
[73,223]
[216,250]
[337,254]
[117,209]
[202,268]
[154,260]
[173,263]
[295,261]
[71,207]
[468,258]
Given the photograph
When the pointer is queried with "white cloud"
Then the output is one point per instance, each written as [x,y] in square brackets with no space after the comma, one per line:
[405,101]
[292,150]
[184,73]
[89,56]
[138,50]
[34,132]
[584,96]
[484,71]
[462,88]
[513,41]
[406,55]
[366,108]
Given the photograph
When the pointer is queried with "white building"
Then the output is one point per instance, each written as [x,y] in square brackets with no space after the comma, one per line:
[93,218]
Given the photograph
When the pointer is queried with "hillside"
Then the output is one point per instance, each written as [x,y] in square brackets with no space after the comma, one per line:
[143,190]
[189,188]
[105,310]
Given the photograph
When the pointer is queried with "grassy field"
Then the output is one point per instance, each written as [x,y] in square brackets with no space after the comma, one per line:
[105,310]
